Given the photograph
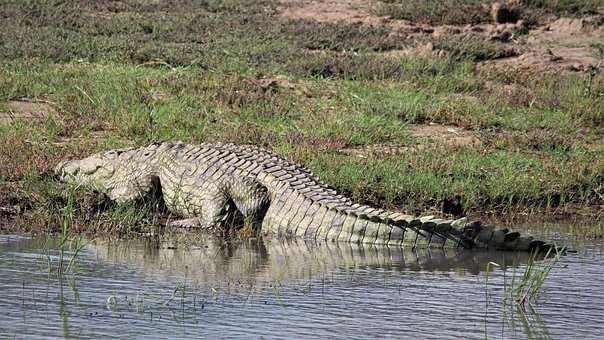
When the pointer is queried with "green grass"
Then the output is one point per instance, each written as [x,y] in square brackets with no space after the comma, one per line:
[127,73]
[436,12]
[455,12]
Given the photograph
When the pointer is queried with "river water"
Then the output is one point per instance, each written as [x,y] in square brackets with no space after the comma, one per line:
[207,288]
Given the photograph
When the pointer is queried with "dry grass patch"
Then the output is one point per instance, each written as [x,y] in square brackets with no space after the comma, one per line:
[447,135]
[27,109]
[424,136]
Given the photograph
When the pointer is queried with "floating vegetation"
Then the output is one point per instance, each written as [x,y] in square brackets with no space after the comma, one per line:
[111,302]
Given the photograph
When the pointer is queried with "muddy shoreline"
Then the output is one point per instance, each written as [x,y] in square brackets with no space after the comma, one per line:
[20,215]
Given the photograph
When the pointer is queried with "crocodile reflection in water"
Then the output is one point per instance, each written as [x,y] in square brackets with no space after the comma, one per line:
[266,260]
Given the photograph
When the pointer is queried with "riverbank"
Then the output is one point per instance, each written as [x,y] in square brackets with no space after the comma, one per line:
[393,113]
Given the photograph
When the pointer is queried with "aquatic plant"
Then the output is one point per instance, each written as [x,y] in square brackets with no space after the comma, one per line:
[180,287]
[76,244]
[486,292]
[522,292]
[533,325]
[276,285]
[68,242]
[528,290]
[525,289]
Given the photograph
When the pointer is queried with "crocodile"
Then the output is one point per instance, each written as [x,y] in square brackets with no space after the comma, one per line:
[217,186]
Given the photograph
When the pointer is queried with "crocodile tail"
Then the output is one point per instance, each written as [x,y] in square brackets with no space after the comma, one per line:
[364,224]
[469,235]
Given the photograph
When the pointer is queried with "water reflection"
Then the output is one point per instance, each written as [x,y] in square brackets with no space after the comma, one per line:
[184,288]
[266,260]
[533,324]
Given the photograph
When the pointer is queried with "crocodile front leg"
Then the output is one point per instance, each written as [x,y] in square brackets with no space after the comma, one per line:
[203,204]
[214,213]
[215,203]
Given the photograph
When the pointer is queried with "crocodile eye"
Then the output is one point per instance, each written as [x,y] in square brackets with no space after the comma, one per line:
[111,154]
[147,153]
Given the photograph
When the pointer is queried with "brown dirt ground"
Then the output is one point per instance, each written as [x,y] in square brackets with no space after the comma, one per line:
[444,134]
[568,44]
[353,11]
[424,135]
[27,109]
[565,44]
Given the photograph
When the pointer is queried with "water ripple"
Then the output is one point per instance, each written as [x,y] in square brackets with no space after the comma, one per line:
[285,290]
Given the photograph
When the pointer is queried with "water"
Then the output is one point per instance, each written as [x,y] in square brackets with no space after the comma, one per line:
[277,289]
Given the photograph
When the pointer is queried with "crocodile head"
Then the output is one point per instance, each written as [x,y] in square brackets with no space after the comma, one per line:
[123,174]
